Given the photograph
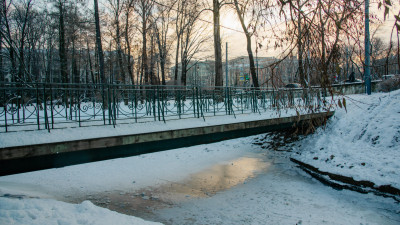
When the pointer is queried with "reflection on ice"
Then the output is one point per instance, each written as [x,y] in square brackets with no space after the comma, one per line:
[217,178]
[206,183]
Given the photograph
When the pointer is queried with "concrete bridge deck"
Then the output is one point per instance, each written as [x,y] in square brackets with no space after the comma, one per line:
[17,159]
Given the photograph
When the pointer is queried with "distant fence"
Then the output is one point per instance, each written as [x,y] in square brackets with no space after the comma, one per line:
[354,88]
[38,106]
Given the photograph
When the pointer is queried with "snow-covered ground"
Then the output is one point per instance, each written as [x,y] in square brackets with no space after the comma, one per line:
[276,193]
[48,211]
[363,143]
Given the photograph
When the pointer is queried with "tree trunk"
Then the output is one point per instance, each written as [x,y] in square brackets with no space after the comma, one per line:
[90,62]
[128,46]
[252,64]
[249,48]
[98,42]
[62,51]
[9,40]
[324,78]
[145,69]
[119,50]
[184,72]
[300,49]
[177,59]
[162,55]
[217,44]
[152,76]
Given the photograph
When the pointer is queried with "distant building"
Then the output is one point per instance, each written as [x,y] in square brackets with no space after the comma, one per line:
[284,72]
[202,73]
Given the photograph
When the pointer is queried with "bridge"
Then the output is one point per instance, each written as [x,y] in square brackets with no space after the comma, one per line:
[46,111]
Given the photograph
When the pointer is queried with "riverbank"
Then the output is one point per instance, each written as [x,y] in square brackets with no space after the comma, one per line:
[195,185]
[360,144]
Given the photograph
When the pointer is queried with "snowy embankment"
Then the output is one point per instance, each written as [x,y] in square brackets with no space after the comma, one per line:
[362,143]
[47,211]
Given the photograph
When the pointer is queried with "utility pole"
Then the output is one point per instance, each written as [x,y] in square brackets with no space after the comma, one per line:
[367,72]
[226,66]
[257,60]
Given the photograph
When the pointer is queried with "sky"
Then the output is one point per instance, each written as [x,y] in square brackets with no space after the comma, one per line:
[237,42]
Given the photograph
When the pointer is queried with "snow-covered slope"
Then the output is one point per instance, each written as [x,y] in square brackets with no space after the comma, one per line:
[363,143]
[47,211]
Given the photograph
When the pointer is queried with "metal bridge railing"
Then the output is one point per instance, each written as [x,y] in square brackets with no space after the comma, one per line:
[38,106]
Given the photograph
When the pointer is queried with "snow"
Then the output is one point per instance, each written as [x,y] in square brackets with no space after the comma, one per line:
[126,173]
[279,193]
[363,143]
[47,211]
[283,197]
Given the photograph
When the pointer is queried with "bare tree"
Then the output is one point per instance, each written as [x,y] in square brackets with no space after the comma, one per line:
[128,11]
[62,42]
[7,36]
[179,27]
[144,9]
[244,8]
[318,27]
[116,6]
[193,38]
[98,42]
[217,4]
[163,22]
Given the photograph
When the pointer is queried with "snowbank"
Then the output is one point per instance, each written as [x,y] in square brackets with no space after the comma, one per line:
[46,211]
[363,143]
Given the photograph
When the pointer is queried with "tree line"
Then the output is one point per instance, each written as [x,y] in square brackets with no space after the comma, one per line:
[137,41]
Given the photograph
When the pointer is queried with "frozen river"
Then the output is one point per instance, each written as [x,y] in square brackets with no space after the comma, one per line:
[229,182]
[257,187]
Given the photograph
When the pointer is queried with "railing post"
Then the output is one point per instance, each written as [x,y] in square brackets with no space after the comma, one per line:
[109,104]
[37,106]
[241,101]
[19,95]
[201,104]
[46,118]
[103,104]
[193,101]
[226,100]
[158,103]
[70,101]
[51,107]
[113,104]
[79,105]
[198,101]
[163,101]
[5,116]
[179,103]
[154,103]
[23,108]
[136,103]
[213,91]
